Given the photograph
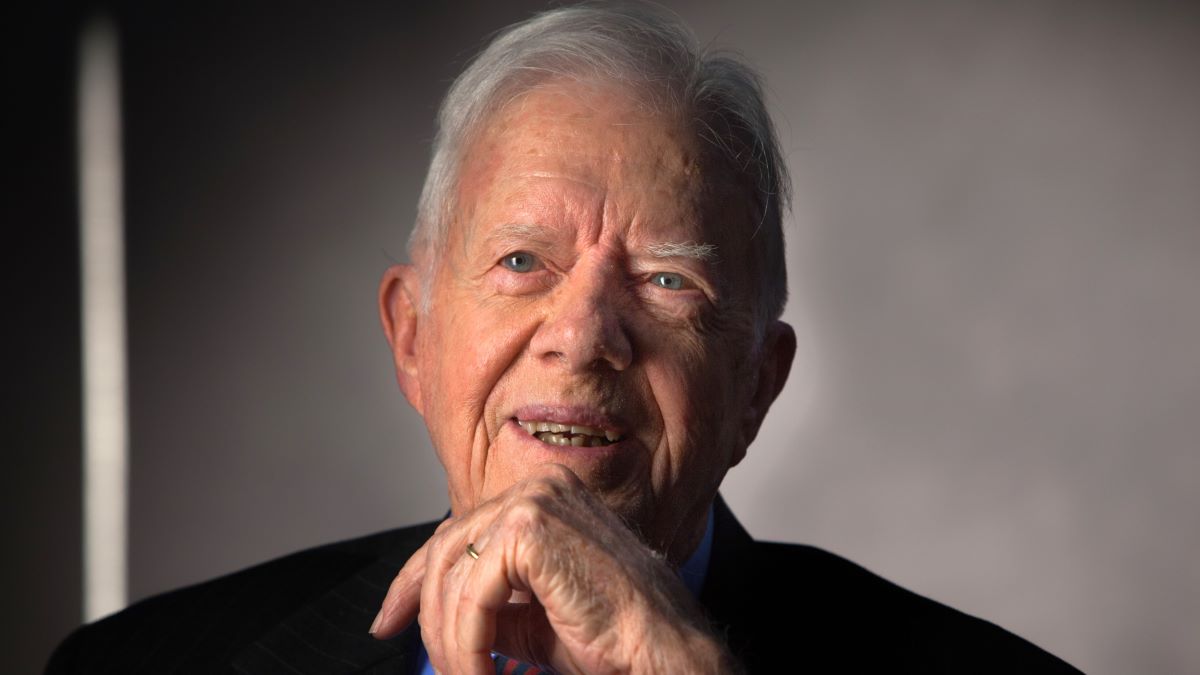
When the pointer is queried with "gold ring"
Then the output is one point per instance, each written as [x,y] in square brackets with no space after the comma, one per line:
[472,552]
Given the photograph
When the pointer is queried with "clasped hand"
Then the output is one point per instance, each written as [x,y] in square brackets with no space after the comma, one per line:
[559,582]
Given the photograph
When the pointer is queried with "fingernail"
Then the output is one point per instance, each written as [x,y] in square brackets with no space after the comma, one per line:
[375,624]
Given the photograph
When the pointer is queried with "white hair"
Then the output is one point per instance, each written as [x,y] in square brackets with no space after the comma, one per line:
[651,52]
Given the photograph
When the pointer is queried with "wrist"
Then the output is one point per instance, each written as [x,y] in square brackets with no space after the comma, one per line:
[682,648]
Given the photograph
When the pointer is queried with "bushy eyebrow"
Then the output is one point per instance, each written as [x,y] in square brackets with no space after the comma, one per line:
[520,230]
[687,249]
[668,249]
[510,232]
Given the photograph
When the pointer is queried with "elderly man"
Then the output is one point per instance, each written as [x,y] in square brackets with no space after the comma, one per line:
[590,330]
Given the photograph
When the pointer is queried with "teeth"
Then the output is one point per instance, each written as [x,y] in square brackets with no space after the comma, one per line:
[575,435]
[580,441]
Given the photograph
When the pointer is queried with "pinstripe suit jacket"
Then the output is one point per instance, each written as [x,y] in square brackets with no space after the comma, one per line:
[781,607]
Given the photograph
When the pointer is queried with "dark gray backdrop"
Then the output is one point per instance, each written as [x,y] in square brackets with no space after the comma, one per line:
[994,260]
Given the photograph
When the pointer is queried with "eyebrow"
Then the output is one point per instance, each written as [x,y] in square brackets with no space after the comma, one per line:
[518,231]
[687,249]
[668,249]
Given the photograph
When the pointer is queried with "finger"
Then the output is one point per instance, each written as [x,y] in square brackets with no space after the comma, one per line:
[484,593]
[456,582]
[402,600]
[521,631]
[447,650]
[457,609]
[446,550]
[436,567]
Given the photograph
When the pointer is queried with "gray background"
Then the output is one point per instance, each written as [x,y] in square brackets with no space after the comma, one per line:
[994,264]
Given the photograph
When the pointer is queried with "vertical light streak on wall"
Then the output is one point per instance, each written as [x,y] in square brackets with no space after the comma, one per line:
[101,235]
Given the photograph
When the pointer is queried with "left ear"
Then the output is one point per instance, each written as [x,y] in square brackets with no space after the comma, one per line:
[778,350]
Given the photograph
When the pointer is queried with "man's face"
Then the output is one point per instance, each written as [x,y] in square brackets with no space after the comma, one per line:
[578,317]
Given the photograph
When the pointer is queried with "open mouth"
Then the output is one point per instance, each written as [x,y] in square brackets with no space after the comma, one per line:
[578,435]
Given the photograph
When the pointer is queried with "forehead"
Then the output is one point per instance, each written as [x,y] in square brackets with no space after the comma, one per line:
[594,128]
[591,156]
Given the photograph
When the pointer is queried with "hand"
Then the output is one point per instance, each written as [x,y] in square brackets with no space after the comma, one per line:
[589,596]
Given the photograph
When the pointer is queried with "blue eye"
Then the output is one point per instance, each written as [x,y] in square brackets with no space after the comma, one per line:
[519,261]
[668,280]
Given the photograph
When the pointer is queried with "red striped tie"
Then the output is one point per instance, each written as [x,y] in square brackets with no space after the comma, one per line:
[507,666]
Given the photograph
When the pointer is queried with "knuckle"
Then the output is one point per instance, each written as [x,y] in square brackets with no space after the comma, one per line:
[441,551]
[563,475]
[437,548]
[468,601]
[543,498]
[553,483]
[527,512]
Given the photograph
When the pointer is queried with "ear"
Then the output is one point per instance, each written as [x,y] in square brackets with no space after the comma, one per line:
[778,350]
[398,293]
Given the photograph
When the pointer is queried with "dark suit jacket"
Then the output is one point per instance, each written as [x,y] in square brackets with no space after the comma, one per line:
[781,607]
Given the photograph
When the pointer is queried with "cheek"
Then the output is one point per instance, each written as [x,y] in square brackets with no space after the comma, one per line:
[468,352]
[691,382]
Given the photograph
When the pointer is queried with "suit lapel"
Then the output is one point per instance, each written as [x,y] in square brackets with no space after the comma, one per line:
[732,547]
[329,635]
[730,596]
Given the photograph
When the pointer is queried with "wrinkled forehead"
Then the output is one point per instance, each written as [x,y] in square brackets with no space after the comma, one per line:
[585,142]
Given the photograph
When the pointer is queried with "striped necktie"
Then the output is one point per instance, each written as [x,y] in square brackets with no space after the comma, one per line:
[507,666]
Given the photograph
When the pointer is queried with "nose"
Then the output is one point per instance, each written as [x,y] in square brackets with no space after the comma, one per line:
[584,328]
